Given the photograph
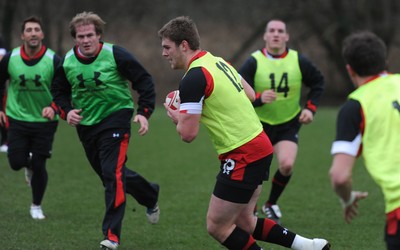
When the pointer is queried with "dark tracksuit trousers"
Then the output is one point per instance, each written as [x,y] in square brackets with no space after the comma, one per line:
[106,153]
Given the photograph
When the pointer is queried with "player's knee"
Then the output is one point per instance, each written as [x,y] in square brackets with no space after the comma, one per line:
[211,230]
[286,168]
[247,223]
[108,174]
[214,230]
[16,163]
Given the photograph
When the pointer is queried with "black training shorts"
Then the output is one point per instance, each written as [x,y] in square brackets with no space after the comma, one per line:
[287,131]
[34,137]
[241,191]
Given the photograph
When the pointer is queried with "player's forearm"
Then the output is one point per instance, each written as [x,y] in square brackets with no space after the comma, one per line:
[188,126]
[341,175]
[343,191]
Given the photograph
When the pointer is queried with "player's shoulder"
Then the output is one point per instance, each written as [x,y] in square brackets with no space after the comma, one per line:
[195,73]
[351,104]
[351,108]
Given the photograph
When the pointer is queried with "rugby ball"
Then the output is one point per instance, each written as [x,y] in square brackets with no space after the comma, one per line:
[172,100]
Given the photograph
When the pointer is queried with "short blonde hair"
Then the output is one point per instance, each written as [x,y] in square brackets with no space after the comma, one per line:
[85,18]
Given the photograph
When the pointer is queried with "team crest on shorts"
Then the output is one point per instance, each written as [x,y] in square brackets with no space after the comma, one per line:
[227,166]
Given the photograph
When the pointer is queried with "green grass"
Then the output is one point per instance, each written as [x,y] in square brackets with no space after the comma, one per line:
[186,172]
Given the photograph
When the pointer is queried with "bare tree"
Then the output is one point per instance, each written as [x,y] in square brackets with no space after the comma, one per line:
[318,28]
[8,13]
[229,28]
[331,21]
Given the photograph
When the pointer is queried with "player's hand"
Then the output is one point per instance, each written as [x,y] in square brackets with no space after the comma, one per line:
[350,208]
[73,117]
[173,114]
[143,122]
[268,96]
[306,116]
[48,113]
[3,118]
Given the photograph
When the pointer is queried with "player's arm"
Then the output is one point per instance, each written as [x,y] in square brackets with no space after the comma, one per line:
[341,180]
[248,90]
[50,111]
[314,80]
[4,76]
[188,126]
[345,150]
[193,89]
[61,92]
[341,175]
[141,80]
[248,71]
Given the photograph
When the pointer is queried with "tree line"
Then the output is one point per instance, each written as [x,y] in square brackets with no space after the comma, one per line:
[228,28]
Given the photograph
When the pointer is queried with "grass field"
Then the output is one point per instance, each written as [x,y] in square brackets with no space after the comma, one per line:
[186,172]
